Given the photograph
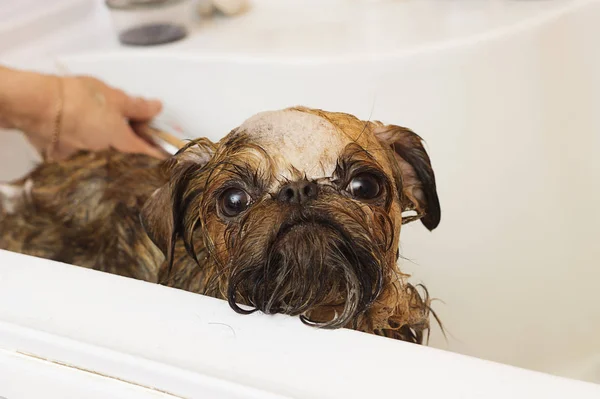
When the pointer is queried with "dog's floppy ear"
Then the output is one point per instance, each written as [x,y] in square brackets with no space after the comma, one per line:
[419,191]
[159,213]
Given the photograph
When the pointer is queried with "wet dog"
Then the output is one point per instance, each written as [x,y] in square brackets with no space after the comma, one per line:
[296,211]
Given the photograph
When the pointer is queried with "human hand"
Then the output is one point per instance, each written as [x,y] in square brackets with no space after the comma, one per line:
[94,117]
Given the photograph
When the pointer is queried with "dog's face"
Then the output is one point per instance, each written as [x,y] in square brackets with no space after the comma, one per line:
[300,213]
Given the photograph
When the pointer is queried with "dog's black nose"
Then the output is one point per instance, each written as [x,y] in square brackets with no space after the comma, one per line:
[298,192]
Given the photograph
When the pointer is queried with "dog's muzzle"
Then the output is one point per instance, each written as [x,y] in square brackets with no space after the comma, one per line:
[311,267]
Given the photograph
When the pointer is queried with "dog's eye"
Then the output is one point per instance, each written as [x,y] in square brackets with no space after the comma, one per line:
[234,201]
[364,186]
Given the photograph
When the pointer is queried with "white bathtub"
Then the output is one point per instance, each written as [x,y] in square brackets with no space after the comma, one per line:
[513,128]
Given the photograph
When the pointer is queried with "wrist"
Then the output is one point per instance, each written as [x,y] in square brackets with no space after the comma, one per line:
[29,102]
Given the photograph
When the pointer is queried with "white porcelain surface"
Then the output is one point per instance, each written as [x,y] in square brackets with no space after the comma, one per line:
[324,29]
[507,101]
[85,334]
[24,21]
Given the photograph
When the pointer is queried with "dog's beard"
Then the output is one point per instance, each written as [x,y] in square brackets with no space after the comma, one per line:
[331,261]
[323,265]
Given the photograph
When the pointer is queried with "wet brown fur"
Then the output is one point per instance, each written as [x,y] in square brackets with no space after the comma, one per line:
[332,262]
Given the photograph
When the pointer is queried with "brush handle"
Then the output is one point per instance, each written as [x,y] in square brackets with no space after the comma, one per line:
[167,142]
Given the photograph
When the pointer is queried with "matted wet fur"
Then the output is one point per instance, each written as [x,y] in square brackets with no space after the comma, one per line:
[303,242]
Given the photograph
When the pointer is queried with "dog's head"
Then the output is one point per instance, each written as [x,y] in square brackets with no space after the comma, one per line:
[300,213]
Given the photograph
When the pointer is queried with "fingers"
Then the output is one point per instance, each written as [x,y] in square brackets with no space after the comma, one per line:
[101,117]
[130,142]
[133,108]
[140,109]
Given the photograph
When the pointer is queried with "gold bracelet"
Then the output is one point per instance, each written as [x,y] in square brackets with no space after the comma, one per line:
[57,122]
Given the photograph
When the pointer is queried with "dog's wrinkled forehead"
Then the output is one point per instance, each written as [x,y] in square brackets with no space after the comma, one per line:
[297,140]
